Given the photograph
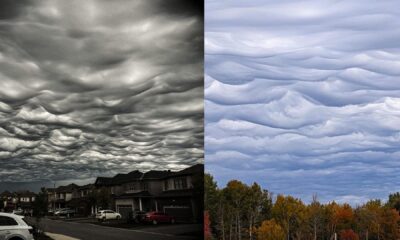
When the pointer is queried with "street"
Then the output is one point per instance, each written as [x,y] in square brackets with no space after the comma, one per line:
[89,231]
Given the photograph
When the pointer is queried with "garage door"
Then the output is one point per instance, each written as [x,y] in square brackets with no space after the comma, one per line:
[181,213]
[124,210]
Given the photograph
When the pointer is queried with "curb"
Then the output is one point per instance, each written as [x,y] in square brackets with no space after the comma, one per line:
[57,236]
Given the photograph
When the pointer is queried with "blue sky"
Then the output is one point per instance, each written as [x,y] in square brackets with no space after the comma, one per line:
[303,97]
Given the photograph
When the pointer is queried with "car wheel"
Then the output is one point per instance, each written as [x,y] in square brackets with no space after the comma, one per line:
[104,219]
[154,222]
[118,217]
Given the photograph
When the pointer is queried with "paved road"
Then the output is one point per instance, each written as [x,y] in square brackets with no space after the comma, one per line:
[87,231]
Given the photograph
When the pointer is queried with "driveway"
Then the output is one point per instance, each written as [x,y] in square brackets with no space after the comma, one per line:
[89,231]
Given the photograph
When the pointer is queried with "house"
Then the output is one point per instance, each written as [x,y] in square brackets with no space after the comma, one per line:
[139,193]
[182,194]
[17,200]
[9,200]
[60,196]
[177,193]
[82,200]
[26,200]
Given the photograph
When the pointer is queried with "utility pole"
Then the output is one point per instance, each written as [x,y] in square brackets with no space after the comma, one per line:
[54,198]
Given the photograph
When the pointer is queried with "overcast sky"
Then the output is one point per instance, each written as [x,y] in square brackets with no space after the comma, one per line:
[96,87]
[304,96]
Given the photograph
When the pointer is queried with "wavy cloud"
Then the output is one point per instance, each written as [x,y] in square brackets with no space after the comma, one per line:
[304,96]
[93,88]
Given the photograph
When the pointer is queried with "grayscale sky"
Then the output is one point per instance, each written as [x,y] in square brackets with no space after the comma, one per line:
[96,87]
[304,96]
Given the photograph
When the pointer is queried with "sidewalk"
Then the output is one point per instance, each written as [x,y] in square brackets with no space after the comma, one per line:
[59,236]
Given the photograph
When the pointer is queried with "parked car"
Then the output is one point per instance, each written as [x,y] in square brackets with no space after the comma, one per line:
[18,212]
[103,215]
[13,226]
[51,212]
[136,216]
[158,217]
[65,212]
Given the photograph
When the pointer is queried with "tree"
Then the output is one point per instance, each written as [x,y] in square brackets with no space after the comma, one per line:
[290,213]
[255,203]
[368,218]
[389,224]
[235,194]
[315,217]
[270,230]
[394,201]
[104,198]
[348,234]
[207,229]
[40,204]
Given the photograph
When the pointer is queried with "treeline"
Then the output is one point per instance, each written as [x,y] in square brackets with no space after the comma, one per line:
[243,212]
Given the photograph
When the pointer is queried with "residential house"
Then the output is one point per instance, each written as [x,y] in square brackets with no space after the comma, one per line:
[177,193]
[26,200]
[82,200]
[60,196]
[182,194]
[17,200]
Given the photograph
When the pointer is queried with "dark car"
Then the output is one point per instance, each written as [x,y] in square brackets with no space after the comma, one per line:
[136,216]
[158,217]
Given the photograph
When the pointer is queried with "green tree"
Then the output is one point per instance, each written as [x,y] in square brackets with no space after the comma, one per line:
[315,216]
[104,199]
[235,193]
[368,219]
[211,200]
[394,201]
[290,213]
[40,204]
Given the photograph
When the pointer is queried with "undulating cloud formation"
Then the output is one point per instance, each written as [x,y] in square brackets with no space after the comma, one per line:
[304,96]
[98,87]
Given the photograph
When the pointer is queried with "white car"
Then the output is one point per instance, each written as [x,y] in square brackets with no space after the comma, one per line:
[18,212]
[103,215]
[14,227]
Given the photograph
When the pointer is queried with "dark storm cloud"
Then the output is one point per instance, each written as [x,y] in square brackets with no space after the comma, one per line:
[10,9]
[304,96]
[93,88]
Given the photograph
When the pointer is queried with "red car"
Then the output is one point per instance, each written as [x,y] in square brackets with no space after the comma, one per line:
[158,217]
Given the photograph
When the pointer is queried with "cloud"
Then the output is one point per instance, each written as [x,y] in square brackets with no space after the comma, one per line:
[89,88]
[304,97]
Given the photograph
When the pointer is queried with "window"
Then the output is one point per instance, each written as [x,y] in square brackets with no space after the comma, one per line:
[180,183]
[144,186]
[132,187]
[7,221]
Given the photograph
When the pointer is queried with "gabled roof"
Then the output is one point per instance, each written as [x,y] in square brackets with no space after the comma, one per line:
[195,169]
[103,181]
[66,189]
[155,174]
[124,178]
[119,178]
[87,186]
[7,194]
[150,175]
[26,194]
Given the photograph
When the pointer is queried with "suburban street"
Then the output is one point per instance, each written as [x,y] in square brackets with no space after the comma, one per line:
[90,231]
